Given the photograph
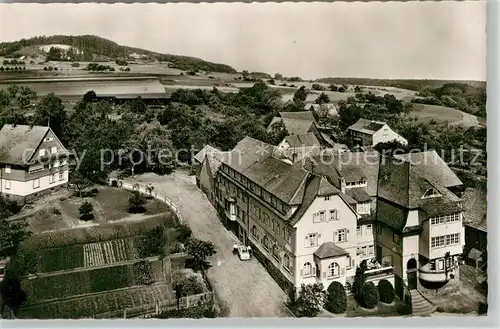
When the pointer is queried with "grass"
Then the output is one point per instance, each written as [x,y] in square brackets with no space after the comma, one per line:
[426,113]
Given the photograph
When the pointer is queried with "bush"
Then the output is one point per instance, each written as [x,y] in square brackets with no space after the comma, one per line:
[56,211]
[152,243]
[482,308]
[370,297]
[186,286]
[183,233]
[336,298]
[24,262]
[143,272]
[175,248]
[386,291]
[404,307]
[94,191]
[85,211]
[136,203]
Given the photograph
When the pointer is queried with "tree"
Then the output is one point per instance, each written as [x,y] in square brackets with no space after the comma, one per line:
[300,95]
[12,294]
[370,296]
[333,87]
[136,203]
[385,291]
[323,99]
[310,299]
[50,111]
[336,298]
[359,281]
[317,86]
[85,211]
[391,148]
[90,96]
[278,76]
[199,251]
[357,89]
[12,233]
[277,132]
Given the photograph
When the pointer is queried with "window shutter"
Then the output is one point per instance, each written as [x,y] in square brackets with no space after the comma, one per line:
[335,236]
[347,235]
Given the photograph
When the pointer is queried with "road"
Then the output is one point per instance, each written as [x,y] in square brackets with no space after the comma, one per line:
[243,288]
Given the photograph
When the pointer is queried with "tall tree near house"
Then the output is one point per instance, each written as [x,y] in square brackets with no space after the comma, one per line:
[359,280]
[300,95]
[11,293]
[50,112]
[310,300]
[322,99]
[199,251]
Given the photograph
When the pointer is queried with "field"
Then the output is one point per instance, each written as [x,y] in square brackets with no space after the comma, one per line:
[426,113]
[109,302]
[85,282]
[62,258]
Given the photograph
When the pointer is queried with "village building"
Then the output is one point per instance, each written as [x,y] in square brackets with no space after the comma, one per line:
[368,133]
[476,228]
[328,110]
[33,161]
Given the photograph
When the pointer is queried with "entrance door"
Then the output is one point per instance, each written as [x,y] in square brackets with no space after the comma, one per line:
[411,274]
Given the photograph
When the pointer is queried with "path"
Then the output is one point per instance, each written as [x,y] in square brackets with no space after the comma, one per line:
[243,288]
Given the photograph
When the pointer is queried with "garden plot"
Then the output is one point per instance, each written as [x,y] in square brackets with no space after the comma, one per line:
[109,252]
[109,302]
[63,258]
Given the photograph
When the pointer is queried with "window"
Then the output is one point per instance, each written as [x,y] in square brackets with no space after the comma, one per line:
[311,240]
[7,184]
[430,193]
[41,153]
[440,265]
[243,216]
[34,169]
[8,170]
[319,217]
[36,183]
[349,261]
[363,208]
[265,242]
[437,241]
[333,214]
[48,139]
[395,237]
[288,235]
[307,270]
[341,235]
[327,198]
[358,231]
[380,228]
[333,270]
[286,262]
[369,230]
[371,250]
[52,178]
[276,226]
[254,232]
[452,239]
[276,252]
[53,149]
[267,221]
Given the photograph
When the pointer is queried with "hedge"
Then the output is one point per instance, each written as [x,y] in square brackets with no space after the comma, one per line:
[370,297]
[336,298]
[386,291]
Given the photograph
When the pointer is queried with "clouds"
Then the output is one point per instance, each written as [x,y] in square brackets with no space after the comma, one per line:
[444,40]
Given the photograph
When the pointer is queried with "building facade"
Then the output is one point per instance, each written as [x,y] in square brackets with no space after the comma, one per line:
[369,133]
[32,161]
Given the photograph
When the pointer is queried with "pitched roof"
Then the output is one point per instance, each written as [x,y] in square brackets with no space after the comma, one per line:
[201,154]
[404,184]
[328,250]
[297,127]
[367,126]
[352,166]
[432,165]
[302,115]
[391,214]
[476,208]
[326,188]
[358,193]
[19,142]
[302,140]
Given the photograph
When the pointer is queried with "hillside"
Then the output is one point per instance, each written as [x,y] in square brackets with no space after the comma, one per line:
[411,84]
[91,48]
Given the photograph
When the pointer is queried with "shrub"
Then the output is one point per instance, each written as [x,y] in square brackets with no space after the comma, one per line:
[75,64]
[85,211]
[136,203]
[175,248]
[152,243]
[310,300]
[370,297]
[56,211]
[386,291]
[94,191]
[24,262]
[186,286]
[482,308]
[143,272]
[404,307]
[114,183]
[336,298]
[184,233]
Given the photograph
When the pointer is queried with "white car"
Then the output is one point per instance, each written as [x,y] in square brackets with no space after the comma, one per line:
[243,252]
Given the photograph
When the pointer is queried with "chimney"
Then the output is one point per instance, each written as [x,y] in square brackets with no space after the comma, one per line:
[294,157]
[342,184]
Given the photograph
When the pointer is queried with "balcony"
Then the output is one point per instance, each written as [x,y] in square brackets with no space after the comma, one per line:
[426,273]
[376,271]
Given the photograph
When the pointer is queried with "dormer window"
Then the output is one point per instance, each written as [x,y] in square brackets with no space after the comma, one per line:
[431,193]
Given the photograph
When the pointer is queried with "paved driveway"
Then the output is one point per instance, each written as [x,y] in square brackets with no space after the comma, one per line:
[243,289]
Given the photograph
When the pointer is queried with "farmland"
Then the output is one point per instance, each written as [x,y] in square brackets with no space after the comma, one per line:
[89,281]
[426,113]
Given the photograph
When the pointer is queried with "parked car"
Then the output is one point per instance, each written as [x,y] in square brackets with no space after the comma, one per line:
[242,251]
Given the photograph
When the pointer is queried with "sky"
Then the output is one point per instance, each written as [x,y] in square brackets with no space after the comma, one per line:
[420,40]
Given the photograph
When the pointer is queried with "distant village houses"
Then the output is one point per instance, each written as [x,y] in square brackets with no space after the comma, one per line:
[368,133]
